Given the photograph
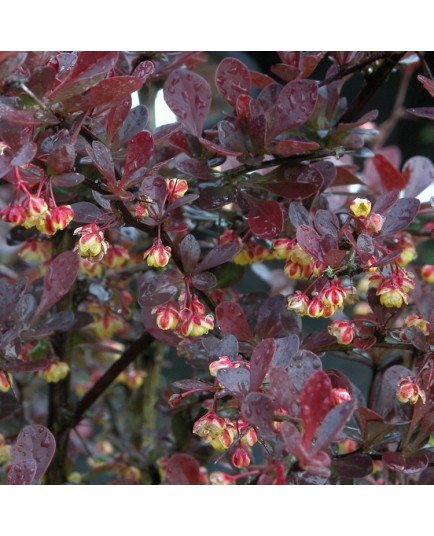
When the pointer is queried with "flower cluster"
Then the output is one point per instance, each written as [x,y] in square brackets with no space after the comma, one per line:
[189,320]
[106,322]
[416,321]
[343,330]
[326,303]
[393,290]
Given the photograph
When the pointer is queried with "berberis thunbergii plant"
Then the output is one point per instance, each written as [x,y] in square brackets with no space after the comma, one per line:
[232,298]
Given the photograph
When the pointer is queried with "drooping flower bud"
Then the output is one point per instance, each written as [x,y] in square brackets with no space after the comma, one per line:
[241,458]
[35,208]
[5,382]
[157,255]
[55,372]
[374,222]
[176,188]
[409,391]
[427,273]
[343,330]
[167,316]
[333,295]
[15,214]
[92,244]
[298,302]
[57,219]
[340,395]
[117,256]
[315,309]
[223,362]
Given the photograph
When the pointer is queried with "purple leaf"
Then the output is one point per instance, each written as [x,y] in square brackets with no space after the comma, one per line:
[135,122]
[41,80]
[34,442]
[182,201]
[389,386]
[315,404]
[232,320]
[295,104]
[89,68]
[385,202]
[332,425]
[68,180]
[17,365]
[260,362]
[197,168]
[190,385]
[230,137]
[406,464]
[419,172]
[258,410]
[114,89]
[310,241]
[155,187]
[116,117]
[365,246]
[62,321]
[235,380]
[85,212]
[182,469]
[292,147]
[292,181]
[269,94]
[291,437]
[401,215]
[427,83]
[265,217]
[298,214]
[102,158]
[326,222]
[22,473]
[285,349]
[232,79]
[204,281]
[390,177]
[10,296]
[61,275]
[8,404]
[217,347]
[327,170]
[61,160]
[189,97]
[334,257]
[355,465]
[139,151]
[25,155]
[302,366]
[214,197]
[144,70]
[282,388]
[269,317]
[157,289]
[318,339]
[217,256]
[427,113]
[189,251]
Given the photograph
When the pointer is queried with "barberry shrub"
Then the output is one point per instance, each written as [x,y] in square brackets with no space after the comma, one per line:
[238,297]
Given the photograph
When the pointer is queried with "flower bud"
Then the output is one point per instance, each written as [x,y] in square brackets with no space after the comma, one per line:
[409,391]
[35,208]
[157,255]
[194,324]
[427,273]
[57,219]
[215,430]
[177,188]
[240,458]
[223,362]
[91,245]
[343,330]
[315,308]
[5,382]
[334,295]
[218,478]
[37,250]
[414,320]
[346,446]
[117,256]
[340,395]
[298,302]
[282,247]
[374,222]
[14,214]
[392,297]
[167,316]
[360,207]
[55,372]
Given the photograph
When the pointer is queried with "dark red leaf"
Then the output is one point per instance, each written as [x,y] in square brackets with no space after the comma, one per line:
[27,117]
[286,347]
[365,344]
[8,404]
[144,70]
[117,116]
[87,71]
[406,464]
[68,180]
[258,410]
[292,181]
[85,212]
[112,90]
[235,380]
[365,246]
[139,151]
[22,473]
[295,104]
[419,173]
[214,197]
[189,97]
[189,250]
[318,339]
[34,442]
[265,217]
[158,289]
[327,170]
[10,295]
[261,80]
[190,385]
[182,469]
[386,259]
[391,178]
[298,214]
[182,201]
[61,275]
[427,113]
[215,347]
[232,320]
[310,241]
[292,147]
[197,168]
[217,256]
[389,385]
[260,362]
[61,160]
[17,365]
[25,155]
[135,122]
[427,83]
[282,388]
[385,202]
[315,404]
[235,142]
[333,423]
[269,95]
[334,257]
[355,465]
[155,187]
[401,215]
[269,317]
[303,62]
[302,365]
[204,281]
[103,161]
[232,79]
[326,222]
[291,437]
